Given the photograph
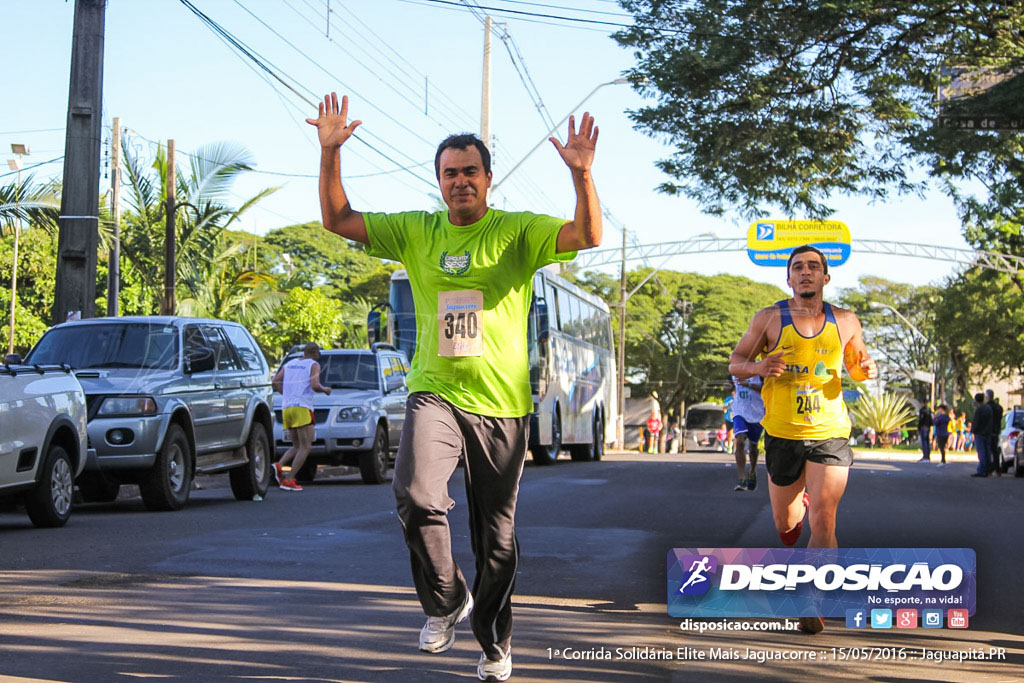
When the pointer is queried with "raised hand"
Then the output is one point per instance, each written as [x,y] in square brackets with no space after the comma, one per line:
[332,125]
[578,151]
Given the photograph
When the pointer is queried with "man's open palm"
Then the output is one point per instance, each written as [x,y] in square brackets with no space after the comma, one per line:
[332,125]
[578,151]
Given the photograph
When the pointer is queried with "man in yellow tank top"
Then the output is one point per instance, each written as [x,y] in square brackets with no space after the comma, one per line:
[799,347]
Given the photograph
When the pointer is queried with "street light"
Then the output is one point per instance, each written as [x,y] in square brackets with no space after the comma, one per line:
[19,151]
[878,305]
[617,81]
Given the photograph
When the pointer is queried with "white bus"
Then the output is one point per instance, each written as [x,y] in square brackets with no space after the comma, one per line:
[572,366]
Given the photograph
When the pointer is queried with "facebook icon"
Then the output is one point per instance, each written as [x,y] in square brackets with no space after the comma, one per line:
[856,618]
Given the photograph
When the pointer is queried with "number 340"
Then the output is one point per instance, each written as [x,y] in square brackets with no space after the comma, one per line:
[462,325]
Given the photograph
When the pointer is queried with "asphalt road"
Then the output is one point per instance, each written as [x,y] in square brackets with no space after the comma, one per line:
[314,586]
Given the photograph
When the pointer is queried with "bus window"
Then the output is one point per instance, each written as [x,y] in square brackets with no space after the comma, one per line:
[577,317]
[401,302]
[564,311]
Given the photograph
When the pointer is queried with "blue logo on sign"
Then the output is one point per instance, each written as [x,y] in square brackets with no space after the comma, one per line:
[881,618]
[696,580]
[931,618]
[765,231]
[856,618]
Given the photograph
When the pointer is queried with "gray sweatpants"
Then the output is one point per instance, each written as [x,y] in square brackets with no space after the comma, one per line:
[435,436]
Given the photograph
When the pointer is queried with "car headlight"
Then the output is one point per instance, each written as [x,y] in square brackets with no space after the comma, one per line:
[355,414]
[128,405]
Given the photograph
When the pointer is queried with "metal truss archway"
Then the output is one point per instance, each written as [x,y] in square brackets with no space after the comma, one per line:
[702,245]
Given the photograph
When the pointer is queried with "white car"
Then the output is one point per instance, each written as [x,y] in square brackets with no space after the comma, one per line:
[43,440]
[1011,447]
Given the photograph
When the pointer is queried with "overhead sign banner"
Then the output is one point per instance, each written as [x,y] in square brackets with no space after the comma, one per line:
[769,243]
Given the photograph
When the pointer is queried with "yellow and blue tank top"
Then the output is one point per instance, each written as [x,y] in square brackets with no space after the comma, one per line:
[806,401]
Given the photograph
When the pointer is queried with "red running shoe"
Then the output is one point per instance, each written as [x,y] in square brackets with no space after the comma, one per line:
[793,535]
[278,472]
[289,485]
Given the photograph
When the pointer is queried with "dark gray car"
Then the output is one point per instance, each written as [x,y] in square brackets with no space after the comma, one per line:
[168,397]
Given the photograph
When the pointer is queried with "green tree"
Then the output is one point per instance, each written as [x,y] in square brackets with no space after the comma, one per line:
[310,315]
[787,104]
[899,351]
[311,256]
[682,327]
[980,319]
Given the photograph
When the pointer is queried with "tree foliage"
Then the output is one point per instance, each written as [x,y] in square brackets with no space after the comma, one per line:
[788,104]
[682,327]
[897,348]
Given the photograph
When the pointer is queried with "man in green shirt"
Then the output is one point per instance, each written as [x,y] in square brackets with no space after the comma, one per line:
[471,270]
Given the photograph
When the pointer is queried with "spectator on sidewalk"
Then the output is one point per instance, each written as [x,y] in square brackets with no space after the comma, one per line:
[941,422]
[997,427]
[981,429]
[924,432]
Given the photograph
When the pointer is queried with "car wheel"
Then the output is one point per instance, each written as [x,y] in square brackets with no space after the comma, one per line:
[306,473]
[373,464]
[546,455]
[49,503]
[253,478]
[96,488]
[167,485]
[1018,457]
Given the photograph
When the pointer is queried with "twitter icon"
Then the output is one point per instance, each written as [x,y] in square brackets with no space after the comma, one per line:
[881,618]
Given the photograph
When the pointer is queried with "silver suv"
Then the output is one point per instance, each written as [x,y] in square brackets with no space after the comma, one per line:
[360,423]
[42,439]
[168,397]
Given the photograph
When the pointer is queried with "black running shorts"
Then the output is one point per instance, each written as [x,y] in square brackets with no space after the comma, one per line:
[785,458]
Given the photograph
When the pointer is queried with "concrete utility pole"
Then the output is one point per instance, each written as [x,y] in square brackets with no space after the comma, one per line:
[620,427]
[485,98]
[114,260]
[170,235]
[75,294]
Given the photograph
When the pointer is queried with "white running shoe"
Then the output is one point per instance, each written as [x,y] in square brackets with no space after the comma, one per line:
[438,634]
[494,669]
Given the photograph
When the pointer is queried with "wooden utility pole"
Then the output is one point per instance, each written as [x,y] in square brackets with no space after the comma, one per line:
[170,236]
[75,292]
[114,260]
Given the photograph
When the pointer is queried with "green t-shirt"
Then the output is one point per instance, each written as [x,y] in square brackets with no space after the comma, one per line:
[497,256]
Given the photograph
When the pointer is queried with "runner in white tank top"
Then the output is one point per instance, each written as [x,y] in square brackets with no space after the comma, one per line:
[297,381]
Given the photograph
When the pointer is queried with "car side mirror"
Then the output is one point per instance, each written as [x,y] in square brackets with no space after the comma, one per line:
[12,359]
[199,359]
[394,383]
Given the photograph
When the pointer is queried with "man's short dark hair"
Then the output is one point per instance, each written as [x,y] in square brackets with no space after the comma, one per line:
[979,397]
[803,250]
[462,141]
[311,349]
[943,406]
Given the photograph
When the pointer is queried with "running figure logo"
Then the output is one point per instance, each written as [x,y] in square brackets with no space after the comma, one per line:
[696,581]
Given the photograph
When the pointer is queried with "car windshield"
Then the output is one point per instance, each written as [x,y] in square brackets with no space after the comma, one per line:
[704,419]
[349,371]
[1018,419]
[114,345]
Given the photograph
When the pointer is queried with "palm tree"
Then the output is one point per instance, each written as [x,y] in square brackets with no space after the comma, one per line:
[225,288]
[31,203]
[884,412]
[203,193]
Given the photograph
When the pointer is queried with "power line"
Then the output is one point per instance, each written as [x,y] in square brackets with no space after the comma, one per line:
[534,14]
[272,70]
[36,130]
[29,168]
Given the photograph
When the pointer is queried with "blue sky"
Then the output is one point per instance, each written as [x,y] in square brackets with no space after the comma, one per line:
[168,76]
